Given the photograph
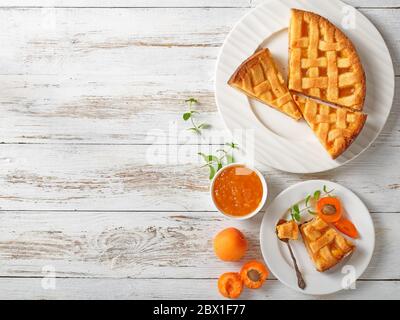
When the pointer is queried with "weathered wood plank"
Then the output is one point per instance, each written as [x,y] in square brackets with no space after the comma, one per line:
[110,110]
[169,3]
[95,114]
[146,244]
[173,289]
[123,177]
[70,41]
[65,78]
[356,3]
[71,80]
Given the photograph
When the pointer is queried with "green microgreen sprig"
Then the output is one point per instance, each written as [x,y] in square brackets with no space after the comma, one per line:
[296,210]
[190,115]
[222,158]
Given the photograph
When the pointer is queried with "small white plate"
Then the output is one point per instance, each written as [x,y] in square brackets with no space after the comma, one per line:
[279,141]
[276,253]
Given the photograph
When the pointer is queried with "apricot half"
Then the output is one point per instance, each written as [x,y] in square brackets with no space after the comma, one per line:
[230,245]
[254,274]
[230,285]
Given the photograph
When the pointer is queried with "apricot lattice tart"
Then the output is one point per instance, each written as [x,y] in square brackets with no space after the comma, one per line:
[324,244]
[259,78]
[323,62]
[288,230]
[336,128]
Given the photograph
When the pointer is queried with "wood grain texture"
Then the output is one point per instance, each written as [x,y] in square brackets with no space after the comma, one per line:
[174,289]
[356,3]
[67,79]
[112,177]
[101,181]
[108,118]
[169,3]
[146,244]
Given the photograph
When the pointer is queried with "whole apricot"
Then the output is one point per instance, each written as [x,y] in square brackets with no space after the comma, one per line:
[230,245]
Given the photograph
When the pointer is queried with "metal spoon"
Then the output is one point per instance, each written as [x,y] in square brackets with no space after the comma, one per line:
[300,281]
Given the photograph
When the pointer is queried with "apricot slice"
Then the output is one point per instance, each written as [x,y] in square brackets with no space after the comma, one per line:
[329,209]
[254,274]
[230,285]
[230,245]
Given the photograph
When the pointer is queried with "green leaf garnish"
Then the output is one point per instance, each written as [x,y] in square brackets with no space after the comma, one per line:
[229,159]
[194,130]
[307,200]
[203,126]
[296,217]
[208,158]
[190,115]
[317,194]
[192,101]
[296,212]
[203,155]
[218,161]
[232,145]
[212,172]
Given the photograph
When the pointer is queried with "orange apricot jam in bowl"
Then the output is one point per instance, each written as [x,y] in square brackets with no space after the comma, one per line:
[238,191]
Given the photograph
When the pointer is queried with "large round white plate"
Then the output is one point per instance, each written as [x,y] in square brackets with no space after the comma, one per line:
[279,141]
[276,253]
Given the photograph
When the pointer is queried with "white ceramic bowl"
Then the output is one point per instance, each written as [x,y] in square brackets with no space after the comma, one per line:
[263,199]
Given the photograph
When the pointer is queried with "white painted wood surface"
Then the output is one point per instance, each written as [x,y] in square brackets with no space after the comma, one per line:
[172,289]
[86,89]
[110,82]
[169,3]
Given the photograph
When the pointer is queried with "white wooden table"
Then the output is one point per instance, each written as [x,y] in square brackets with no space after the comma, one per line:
[89,91]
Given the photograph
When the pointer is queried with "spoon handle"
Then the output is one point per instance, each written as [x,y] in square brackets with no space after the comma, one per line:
[300,281]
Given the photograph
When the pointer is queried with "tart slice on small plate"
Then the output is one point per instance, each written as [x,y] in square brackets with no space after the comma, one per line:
[337,261]
[325,245]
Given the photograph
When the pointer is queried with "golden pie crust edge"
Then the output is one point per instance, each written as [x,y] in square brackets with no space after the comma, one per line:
[288,230]
[240,71]
[359,125]
[305,241]
[355,59]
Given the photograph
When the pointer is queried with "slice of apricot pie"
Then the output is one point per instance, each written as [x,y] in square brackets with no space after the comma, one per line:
[288,230]
[324,244]
[336,128]
[259,78]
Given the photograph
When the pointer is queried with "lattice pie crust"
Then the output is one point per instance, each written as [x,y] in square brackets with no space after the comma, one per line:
[323,62]
[324,244]
[259,78]
[288,230]
[336,128]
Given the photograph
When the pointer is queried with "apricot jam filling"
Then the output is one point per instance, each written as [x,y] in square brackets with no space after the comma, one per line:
[237,191]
